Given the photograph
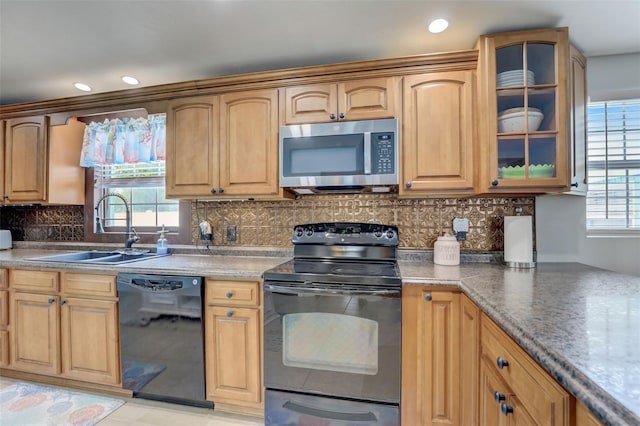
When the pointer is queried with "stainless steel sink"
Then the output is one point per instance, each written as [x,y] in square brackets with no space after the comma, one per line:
[100,257]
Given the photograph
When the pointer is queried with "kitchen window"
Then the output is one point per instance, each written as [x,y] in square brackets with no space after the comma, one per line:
[613,162]
[143,186]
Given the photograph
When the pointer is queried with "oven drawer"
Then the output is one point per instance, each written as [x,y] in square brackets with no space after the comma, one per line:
[233,293]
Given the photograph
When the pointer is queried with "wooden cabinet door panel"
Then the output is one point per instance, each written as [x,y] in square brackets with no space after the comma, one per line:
[368,99]
[489,408]
[578,146]
[233,355]
[469,360]
[89,337]
[26,158]
[192,146]
[4,308]
[29,280]
[312,103]
[35,334]
[438,132]
[249,142]
[4,348]
[91,285]
[430,357]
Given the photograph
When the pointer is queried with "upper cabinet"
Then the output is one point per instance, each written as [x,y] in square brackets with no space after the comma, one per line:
[25,159]
[41,163]
[223,146]
[438,134]
[363,99]
[524,112]
[578,81]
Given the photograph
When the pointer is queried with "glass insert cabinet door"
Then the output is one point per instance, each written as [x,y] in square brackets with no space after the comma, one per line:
[528,92]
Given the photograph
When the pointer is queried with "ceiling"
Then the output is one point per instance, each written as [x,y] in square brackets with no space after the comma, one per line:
[46,45]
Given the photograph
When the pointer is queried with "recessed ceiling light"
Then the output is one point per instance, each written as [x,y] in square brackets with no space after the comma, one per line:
[130,80]
[438,25]
[82,86]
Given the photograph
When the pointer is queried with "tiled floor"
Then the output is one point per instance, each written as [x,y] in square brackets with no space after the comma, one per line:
[139,412]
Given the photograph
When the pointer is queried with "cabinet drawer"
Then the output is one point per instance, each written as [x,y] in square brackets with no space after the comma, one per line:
[233,293]
[4,282]
[24,279]
[94,285]
[536,390]
[4,308]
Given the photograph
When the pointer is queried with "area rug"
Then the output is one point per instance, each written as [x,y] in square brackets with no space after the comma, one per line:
[137,374]
[25,404]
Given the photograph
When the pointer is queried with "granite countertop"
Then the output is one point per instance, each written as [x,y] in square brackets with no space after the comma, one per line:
[581,323]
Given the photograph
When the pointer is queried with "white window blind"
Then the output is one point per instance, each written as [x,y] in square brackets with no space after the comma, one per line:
[613,161]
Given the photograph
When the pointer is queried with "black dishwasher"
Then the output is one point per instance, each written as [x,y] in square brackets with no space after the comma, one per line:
[161,337]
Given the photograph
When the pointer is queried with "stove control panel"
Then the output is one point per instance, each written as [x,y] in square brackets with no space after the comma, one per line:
[348,233]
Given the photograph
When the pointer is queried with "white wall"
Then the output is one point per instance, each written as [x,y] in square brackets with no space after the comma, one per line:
[560,220]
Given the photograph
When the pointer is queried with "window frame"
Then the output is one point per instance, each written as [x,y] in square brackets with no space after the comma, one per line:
[147,234]
[608,163]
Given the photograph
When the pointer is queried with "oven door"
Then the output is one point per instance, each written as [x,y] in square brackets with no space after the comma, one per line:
[333,340]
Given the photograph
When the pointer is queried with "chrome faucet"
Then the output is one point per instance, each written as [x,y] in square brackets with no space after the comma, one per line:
[129,240]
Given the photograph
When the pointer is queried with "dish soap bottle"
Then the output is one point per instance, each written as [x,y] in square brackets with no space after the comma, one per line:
[163,246]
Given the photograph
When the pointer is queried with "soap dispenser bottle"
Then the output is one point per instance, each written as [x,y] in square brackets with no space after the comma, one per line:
[163,246]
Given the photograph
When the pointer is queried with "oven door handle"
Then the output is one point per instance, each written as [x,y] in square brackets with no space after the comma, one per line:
[320,290]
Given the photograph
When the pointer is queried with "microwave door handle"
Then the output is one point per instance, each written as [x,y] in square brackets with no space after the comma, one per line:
[367,153]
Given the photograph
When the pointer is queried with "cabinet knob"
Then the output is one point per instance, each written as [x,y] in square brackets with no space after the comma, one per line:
[574,184]
[506,409]
[229,295]
[428,297]
[407,185]
[220,190]
[213,190]
[502,363]
[494,182]
[51,300]
[498,396]
[332,116]
[62,302]
[229,314]
[5,196]
[341,116]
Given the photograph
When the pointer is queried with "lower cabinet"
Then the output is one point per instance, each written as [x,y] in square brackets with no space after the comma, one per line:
[71,332]
[434,368]
[233,346]
[515,390]
[4,319]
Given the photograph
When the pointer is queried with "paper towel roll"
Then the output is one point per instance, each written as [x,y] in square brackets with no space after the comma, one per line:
[518,241]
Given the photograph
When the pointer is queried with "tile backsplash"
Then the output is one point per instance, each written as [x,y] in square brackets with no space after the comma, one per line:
[269,224]
[420,222]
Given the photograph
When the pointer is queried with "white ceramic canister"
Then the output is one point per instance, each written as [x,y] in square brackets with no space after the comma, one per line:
[446,250]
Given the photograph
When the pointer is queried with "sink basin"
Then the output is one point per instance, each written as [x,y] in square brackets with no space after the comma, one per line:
[99,257]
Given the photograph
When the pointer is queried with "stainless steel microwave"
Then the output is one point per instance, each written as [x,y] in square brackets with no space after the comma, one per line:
[346,156]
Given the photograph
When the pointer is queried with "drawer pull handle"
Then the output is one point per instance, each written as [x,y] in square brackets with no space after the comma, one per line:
[229,295]
[51,300]
[502,363]
[428,297]
[506,409]
[229,314]
[498,396]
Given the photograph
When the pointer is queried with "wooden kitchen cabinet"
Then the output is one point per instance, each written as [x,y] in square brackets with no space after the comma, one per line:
[578,145]
[514,388]
[584,417]
[533,156]
[363,99]
[233,346]
[67,332]
[223,146]
[90,349]
[25,159]
[4,318]
[431,357]
[438,140]
[41,164]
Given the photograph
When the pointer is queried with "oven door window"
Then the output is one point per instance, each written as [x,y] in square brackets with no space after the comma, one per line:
[323,155]
[332,342]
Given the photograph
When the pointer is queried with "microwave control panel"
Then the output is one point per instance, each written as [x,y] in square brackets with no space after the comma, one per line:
[383,155]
